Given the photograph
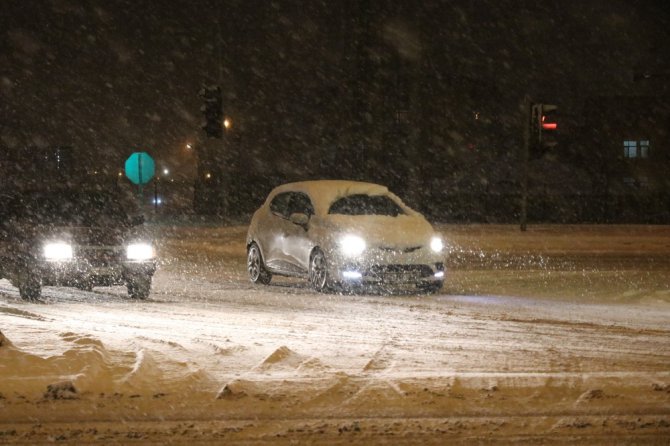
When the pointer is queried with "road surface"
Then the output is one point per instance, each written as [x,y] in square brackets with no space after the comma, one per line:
[561,343]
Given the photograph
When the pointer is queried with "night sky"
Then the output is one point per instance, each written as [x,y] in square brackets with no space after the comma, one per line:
[116,77]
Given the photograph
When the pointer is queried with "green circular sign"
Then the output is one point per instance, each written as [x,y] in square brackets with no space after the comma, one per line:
[140,168]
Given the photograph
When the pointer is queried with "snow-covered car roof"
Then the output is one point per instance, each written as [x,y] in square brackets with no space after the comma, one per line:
[325,192]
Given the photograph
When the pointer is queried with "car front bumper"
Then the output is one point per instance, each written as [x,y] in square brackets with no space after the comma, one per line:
[78,272]
[397,268]
[394,274]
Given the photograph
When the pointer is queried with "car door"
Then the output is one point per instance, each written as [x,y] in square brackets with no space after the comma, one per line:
[297,242]
[272,231]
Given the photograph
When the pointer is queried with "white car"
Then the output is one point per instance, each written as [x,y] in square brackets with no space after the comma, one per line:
[343,233]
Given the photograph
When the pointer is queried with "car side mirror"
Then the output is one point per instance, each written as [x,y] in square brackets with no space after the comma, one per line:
[300,219]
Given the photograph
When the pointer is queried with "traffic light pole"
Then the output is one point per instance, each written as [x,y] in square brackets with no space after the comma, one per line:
[525,155]
[538,131]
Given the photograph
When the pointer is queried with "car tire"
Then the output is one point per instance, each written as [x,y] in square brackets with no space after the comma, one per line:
[139,287]
[30,286]
[318,271]
[256,267]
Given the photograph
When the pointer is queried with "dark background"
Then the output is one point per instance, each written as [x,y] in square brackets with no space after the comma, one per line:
[423,97]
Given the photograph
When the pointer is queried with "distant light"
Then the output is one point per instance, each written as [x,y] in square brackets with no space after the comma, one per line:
[189,145]
[439,274]
[166,171]
[120,174]
[227,123]
[208,175]
[157,201]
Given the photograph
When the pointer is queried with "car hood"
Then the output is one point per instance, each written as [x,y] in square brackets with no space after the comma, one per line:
[403,231]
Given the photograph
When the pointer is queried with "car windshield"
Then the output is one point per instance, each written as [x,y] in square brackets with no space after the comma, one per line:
[362,204]
[70,208]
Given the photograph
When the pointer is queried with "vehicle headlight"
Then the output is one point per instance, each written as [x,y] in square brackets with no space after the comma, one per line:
[57,251]
[352,245]
[436,244]
[140,251]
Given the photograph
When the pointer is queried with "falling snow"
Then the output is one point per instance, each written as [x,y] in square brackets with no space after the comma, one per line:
[554,333]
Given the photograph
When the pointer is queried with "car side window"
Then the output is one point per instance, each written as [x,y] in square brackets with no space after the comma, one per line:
[301,204]
[280,204]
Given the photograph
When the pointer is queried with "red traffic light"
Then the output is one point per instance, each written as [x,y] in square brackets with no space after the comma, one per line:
[548,125]
[543,124]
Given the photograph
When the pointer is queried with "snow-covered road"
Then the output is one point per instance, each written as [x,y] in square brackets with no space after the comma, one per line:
[535,349]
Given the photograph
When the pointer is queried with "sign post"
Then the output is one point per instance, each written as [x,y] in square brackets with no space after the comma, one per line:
[140,169]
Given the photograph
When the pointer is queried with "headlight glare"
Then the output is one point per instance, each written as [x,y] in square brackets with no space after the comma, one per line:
[436,244]
[140,251]
[352,245]
[57,251]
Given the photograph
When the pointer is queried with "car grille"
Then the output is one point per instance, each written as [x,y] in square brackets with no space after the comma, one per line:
[100,256]
[399,273]
[399,250]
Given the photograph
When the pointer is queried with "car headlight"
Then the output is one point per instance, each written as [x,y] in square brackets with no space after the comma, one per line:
[57,251]
[140,251]
[352,245]
[436,244]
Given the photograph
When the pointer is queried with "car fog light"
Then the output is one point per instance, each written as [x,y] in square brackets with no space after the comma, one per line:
[140,251]
[436,244]
[57,251]
[352,245]
[439,274]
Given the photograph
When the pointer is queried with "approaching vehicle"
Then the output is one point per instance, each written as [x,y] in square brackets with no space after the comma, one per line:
[79,238]
[343,233]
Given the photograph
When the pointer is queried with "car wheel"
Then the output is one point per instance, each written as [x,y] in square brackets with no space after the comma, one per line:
[30,286]
[139,287]
[318,271]
[256,267]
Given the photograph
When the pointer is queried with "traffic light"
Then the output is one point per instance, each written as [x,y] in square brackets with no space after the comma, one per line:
[213,111]
[544,125]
